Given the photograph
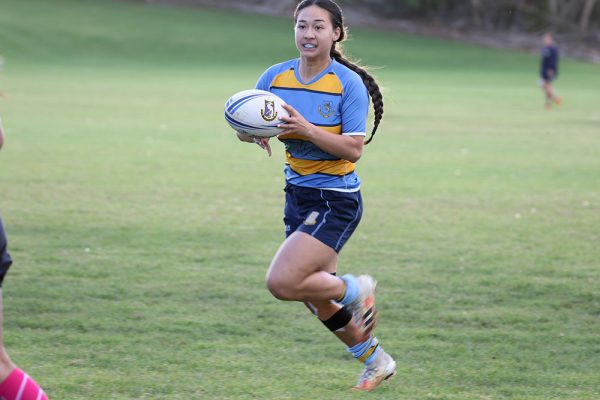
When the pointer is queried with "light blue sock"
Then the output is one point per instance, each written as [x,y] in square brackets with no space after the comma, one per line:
[366,351]
[351,292]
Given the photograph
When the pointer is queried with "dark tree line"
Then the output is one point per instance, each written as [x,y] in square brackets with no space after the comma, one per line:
[580,17]
[567,16]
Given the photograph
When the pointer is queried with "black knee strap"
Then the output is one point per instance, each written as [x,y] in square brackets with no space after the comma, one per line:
[338,320]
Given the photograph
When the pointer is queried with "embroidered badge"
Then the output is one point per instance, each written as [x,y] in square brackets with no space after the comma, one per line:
[312,218]
[269,113]
[326,109]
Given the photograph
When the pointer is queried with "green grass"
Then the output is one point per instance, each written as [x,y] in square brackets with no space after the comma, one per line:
[141,228]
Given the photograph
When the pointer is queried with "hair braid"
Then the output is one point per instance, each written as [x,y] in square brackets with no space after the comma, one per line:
[370,83]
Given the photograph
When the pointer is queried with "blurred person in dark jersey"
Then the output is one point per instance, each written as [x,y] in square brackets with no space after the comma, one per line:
[549,70]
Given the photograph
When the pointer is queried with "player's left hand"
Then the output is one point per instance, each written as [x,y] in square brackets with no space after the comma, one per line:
[263,143]
[295,123]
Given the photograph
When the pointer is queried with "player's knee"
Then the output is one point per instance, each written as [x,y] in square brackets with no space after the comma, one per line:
[279,288]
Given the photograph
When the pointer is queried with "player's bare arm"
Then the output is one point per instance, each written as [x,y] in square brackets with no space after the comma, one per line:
[346,147]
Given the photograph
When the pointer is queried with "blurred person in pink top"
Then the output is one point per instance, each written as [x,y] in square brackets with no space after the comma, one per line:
[15,384]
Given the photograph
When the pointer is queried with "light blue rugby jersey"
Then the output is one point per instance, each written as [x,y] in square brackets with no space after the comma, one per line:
[335,100]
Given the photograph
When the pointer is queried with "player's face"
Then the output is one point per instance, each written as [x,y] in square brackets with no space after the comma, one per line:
[315,33]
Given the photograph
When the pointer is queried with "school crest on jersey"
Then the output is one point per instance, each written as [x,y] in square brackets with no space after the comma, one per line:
[326,109]
[268,113]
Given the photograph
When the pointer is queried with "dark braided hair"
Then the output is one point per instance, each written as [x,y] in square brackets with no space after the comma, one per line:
[337,19]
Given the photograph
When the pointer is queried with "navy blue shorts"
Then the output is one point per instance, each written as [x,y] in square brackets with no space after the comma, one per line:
[545,76]
[5,260]
[327,215]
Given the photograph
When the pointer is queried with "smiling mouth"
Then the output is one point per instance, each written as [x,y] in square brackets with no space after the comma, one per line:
[309,46]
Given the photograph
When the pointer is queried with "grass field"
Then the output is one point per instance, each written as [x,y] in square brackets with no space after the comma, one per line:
[141,228]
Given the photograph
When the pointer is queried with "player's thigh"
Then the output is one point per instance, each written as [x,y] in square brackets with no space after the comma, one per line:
[299,256]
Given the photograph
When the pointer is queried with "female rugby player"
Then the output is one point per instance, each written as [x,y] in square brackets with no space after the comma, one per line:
[327,98]
[14,383]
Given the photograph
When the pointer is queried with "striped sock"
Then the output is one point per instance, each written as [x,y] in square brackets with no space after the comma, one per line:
[351,292]
[19,386]
[366,352]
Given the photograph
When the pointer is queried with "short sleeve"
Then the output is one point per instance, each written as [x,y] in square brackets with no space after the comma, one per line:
[355,107]
[264,82]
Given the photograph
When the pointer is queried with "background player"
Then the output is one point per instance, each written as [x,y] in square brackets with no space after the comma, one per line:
[14,383]
[549,70]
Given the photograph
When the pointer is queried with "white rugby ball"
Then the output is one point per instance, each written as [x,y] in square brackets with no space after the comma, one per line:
[255,112]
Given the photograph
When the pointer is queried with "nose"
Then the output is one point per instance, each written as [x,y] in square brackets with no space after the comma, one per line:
[309,33]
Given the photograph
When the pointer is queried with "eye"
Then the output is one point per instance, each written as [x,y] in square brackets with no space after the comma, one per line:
[319,27]
[300,26]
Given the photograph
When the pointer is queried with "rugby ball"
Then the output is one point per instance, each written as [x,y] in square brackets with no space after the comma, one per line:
[255,112]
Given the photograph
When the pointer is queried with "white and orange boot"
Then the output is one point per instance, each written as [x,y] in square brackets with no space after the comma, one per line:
[381,369]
